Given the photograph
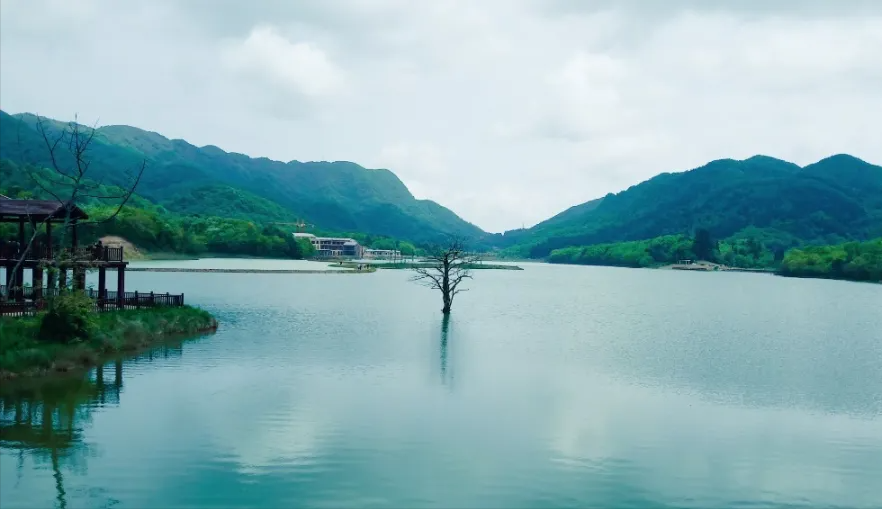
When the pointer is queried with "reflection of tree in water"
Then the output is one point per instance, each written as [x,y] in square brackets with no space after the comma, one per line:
[45,420]
[445,333]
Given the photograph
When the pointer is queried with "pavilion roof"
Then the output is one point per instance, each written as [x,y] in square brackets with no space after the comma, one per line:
[38,210]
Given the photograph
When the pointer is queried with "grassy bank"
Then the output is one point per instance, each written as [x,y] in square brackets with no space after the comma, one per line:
[23,354]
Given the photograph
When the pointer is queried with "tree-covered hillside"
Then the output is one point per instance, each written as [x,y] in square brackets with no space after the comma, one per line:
[858,261]
[186,179]
[832,201]
[156,230]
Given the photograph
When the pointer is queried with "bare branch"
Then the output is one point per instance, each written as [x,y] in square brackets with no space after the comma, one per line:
[445,269]
[74,179]
[125,197]
[41,186]
[52,146]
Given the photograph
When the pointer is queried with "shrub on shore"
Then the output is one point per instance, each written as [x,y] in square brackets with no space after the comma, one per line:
[25,347]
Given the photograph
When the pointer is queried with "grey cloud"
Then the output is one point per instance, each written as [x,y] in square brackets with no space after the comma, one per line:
[537,105]
[656,8]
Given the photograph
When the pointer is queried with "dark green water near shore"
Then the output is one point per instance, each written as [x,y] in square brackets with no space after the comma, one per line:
[555,386]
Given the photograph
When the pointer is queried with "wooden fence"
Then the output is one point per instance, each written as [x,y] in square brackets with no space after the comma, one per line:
[26,308]
[39,252]
[110,301]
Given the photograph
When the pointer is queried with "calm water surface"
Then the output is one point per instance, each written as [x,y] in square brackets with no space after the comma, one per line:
[550,387]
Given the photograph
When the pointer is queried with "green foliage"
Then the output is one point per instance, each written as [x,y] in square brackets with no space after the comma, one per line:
[227,202]
[69,319]
[407,249]
[703,246]
[206,181]
[858,261]
[832,201]
[307,250]
[748,249]
[154,228]
[21,348]
[643,253]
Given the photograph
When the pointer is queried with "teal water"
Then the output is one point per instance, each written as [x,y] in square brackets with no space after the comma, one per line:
[549,387]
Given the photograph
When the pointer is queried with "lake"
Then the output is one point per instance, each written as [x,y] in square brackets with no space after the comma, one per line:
[556,386]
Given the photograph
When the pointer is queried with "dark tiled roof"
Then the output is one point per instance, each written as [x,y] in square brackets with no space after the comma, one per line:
[38,209]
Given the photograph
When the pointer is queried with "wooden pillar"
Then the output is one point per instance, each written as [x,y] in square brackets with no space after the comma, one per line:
[51,278]
[37,281]
[49,240]
[73,236]
[8,282]
[19,275]
[62,278]
[117,368]
[102,285]
[79,277]
[121,285]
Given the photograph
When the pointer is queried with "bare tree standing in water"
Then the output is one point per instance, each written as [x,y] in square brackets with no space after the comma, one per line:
[446,267]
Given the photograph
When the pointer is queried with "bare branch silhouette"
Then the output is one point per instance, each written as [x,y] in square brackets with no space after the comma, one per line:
[72,183]
[445,269]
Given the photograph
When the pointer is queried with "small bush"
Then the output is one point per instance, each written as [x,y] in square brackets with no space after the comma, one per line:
[68,319]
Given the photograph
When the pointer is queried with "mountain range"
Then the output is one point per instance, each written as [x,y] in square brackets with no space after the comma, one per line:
[337,196]
[836,199]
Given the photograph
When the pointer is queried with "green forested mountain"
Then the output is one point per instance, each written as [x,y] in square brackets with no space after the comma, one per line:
[776,203]
[185,179]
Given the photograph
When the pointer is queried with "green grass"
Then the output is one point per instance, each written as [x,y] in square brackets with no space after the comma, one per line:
[21,353]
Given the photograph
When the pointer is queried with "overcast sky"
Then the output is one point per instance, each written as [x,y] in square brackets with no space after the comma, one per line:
[506,111]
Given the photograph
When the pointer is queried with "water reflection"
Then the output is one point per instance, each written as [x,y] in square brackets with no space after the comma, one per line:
[46,420]
[445,330]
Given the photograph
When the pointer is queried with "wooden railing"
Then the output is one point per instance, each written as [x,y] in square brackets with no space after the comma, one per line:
[80,254]
[24,308]
[110,301]
[27,292]
[134,300]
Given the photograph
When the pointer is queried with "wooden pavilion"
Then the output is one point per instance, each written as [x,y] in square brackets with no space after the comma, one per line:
[31,215]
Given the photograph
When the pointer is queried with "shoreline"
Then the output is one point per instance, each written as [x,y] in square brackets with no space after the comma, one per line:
[769,271]
[247,271]
[410,265]
[120,334]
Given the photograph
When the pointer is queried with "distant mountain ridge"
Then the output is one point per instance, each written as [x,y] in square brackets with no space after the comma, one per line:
[831,201]
[340,195]
[836,199]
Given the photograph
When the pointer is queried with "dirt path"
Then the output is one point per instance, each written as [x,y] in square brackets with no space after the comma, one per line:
[130,252]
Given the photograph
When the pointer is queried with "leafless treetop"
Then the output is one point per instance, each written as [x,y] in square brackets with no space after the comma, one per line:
[445,268]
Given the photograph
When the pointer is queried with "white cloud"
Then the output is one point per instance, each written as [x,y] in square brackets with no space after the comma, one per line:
[418,165]
[302,66]
[507,111]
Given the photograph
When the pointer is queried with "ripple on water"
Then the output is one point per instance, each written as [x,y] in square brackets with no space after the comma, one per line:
[553,386]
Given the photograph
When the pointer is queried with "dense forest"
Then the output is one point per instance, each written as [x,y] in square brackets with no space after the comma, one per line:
[207,181]
[155,229]
[777,204]
[857,261]
[743,252]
